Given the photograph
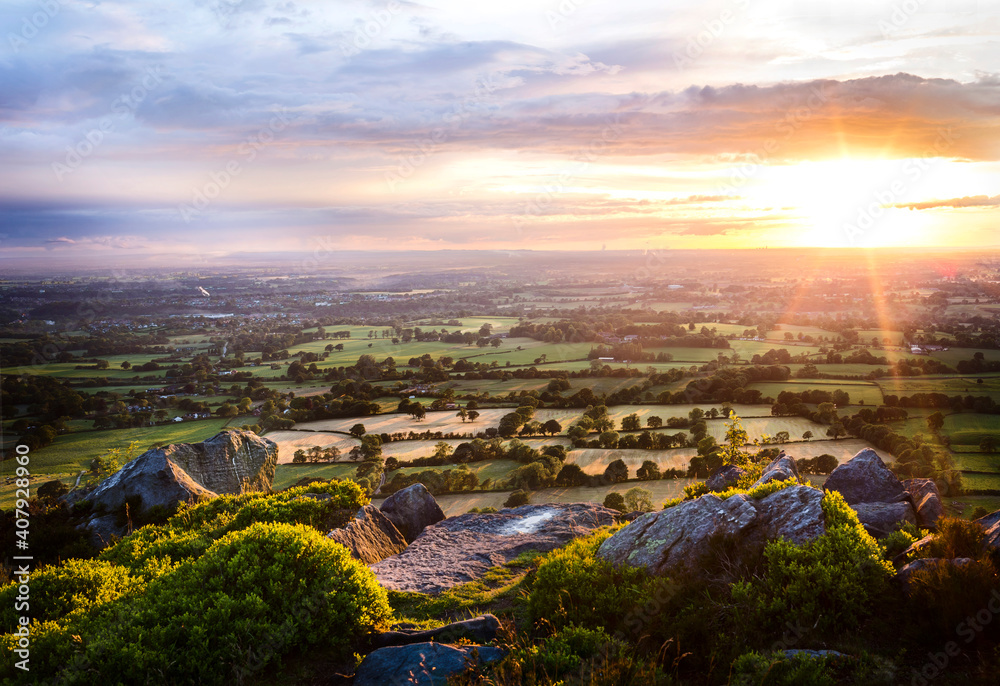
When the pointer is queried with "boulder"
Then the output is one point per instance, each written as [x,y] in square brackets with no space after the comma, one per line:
[926,501]
[906,572]
[370,536]
[881,519]
[421,664]
[229,462]
[412,509]
[102,530]
[724,477]
[676,537]
[781,468]
[991,524]
[482,629]
[461,549]
[865,479]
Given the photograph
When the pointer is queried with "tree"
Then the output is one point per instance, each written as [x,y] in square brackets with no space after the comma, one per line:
[473,415]
[552,427]
[126,364]
[417,410]
[782,437]
[654,422]
[371,447]
[462,414]
[517,498]
[614,501]
[227,410]
[649,471]
[358,430]
[608,440]
[631,422]
[935,422]
[637,498]
[836,431]
[572,475]
[825,463]
[616,472]
[806,435]
[495,342]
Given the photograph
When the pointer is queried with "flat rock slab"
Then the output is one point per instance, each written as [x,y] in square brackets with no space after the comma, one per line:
[462,549]
[421,664]
[991,524]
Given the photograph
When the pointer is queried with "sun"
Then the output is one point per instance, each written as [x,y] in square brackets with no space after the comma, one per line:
[848,203]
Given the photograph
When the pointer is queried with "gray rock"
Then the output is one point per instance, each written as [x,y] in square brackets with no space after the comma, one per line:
[673,538]
[905,573]
[482,629]
[370,536]
[926,501]
[229,462]
[914,549]
[781,468]
[881,519]
[461,549]
[102,531]
[412,509]
[991,524]
[421,664]
[724,478]
[865,479]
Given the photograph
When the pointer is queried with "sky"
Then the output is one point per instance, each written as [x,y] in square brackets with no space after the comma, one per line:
[224,126]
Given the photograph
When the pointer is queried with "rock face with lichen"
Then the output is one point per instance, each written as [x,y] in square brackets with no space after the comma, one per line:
[229,462]
[676,537]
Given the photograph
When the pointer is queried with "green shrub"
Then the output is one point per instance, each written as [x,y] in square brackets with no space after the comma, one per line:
[754,669]
[694,490]
[759,492]
[574,586]
[73,587]
[956,538]
[944,596]
[896,542]
[252,596]
[829,584]
[190,532]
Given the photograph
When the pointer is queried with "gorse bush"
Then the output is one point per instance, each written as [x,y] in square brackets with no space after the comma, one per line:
[956,538]
[210,597]
[219,618]
[574,586]
[190,532]
[829,584]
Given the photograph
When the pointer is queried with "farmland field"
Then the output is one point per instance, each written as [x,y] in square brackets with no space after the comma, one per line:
[459,503]
[858,391]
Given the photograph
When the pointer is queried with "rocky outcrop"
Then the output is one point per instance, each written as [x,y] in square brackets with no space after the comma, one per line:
[411,510]
[865,479]
[370,536]
[229,462]
[482,629]
[461,549]
[881,519]
[676,537]
[102,531]
[926,501]
[421,664]
[724,477]
[781,468]
[991,524]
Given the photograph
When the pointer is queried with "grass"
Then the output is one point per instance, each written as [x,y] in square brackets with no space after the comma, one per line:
[981,482]
[969,429]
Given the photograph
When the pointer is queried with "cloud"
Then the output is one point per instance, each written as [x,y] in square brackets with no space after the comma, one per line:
[968,201]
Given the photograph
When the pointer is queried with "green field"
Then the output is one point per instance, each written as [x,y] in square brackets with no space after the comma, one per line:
[970,429]
[858,391]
